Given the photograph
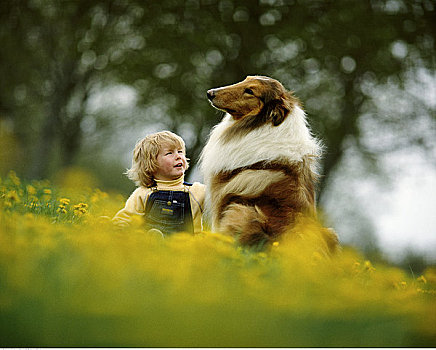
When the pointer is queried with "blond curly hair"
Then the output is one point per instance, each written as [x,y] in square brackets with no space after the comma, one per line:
[144,162]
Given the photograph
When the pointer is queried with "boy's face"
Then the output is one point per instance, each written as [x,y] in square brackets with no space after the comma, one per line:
[171,163]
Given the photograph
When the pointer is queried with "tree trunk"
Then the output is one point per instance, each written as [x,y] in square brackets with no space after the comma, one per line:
[44,148]
[51,130]
[336,139]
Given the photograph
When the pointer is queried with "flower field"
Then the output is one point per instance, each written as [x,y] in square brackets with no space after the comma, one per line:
[69,278]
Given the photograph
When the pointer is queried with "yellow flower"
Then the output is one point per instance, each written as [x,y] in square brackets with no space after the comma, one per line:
[275,244]
[47,194]
[422,279]
[61,210]
[80,209]
[31,190]
[12,198]
[13,176]
[368,266]
[98,195]
[64,201]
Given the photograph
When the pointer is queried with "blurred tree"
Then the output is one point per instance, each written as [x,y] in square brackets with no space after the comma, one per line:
[54,53]
[338,56]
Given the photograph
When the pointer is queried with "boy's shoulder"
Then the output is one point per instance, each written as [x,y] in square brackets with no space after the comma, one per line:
[142,191]
[198,187]
[198,192]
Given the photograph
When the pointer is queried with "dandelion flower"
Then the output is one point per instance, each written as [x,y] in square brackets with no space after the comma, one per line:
[47,194]
[64,201]
[80,209]
[14,178]
[422,279]
[368,266]
[12,198]
[31,190]
[98,195]
[61,209]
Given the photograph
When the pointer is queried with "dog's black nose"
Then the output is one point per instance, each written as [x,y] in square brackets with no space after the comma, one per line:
[210,94]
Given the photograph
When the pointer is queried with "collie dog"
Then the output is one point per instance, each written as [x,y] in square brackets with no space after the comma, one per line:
[260,162]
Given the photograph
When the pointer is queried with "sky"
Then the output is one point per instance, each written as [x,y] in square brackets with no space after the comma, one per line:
[407,220]
[394,208]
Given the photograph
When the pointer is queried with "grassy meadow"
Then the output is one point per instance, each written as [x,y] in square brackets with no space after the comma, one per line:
[69,278]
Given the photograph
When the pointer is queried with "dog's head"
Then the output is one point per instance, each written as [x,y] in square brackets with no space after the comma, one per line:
[257,98]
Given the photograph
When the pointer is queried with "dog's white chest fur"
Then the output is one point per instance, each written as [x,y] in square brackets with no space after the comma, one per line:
[290,141]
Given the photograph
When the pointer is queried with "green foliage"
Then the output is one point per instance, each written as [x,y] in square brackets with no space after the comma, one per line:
[40,199]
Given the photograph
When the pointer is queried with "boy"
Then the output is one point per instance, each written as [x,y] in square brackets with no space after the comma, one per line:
[167,203]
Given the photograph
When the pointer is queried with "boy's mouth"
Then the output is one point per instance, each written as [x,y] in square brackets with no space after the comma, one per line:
[178,165]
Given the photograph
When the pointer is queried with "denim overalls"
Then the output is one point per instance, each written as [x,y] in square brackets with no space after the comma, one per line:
[169,211]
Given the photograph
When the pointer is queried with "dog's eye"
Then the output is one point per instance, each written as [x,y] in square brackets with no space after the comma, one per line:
[249,91]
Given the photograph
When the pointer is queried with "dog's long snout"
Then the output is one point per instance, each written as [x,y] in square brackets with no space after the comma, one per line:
[211,94]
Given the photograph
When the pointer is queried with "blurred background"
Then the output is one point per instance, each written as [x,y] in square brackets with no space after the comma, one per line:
[81,81]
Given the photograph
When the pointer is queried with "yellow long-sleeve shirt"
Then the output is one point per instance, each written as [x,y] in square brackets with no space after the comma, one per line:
[135,204]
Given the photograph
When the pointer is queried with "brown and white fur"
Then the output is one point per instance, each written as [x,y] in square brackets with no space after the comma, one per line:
[260,162]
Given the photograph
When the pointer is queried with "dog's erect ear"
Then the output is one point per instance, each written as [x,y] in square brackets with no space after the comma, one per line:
[276,111]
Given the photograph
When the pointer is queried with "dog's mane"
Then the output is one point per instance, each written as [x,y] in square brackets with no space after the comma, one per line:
[244,126]
[290,141]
